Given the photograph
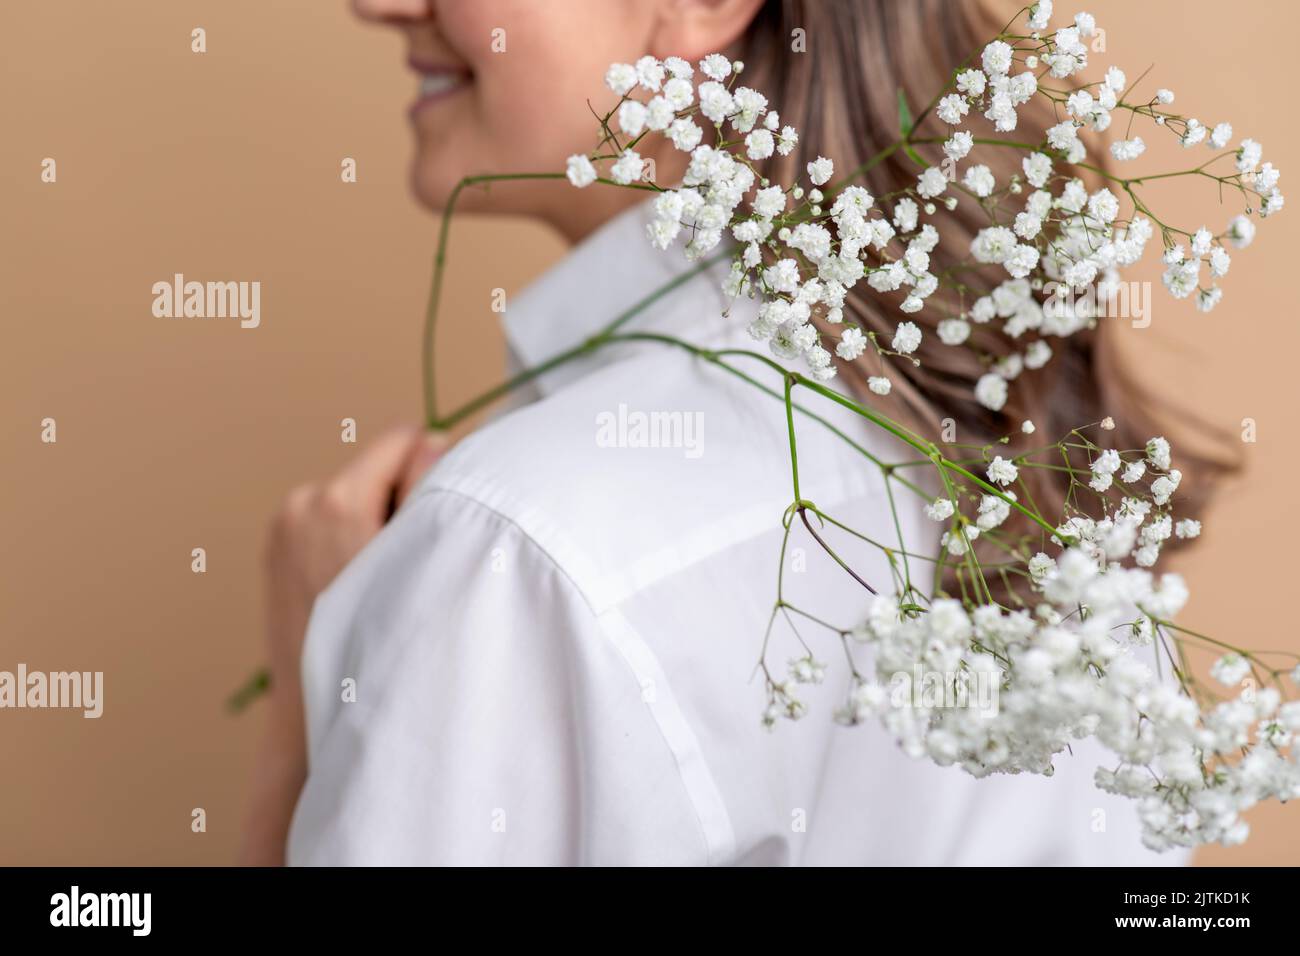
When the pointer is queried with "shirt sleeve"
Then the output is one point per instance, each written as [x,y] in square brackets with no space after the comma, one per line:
[466,707]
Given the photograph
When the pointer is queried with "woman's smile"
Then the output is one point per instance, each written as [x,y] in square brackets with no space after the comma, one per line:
[437,83]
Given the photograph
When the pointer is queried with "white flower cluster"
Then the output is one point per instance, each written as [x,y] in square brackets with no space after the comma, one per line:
[1060,676]
[722,194]
[1064,240]
[801,247]
[1137,528]
[1080,664]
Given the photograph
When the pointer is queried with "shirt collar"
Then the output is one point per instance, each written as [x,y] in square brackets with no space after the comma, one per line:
[604,275]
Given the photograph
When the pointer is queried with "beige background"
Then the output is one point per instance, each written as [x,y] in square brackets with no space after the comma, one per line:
[184,434]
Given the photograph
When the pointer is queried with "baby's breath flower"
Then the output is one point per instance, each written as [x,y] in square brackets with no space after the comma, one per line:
[851,345]
[906,337]
[1126,149]
[979,180]
[631,117]
[716,67]
[958,145]
[685,134]
[1158,453]
[1002,472]
[806,670]
[931,183]
[760,144]
[1230,669]
[649,73]
[580,171]
[991,391]
[952,108]
[820,170]
[620,78]
[953,331]
[941,509]
[997,58]
[1039,15]
[628,168]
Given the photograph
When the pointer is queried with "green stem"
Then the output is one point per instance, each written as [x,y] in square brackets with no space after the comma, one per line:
[435,297]
[794,452]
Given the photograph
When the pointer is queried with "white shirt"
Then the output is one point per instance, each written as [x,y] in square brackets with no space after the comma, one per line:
[554,641]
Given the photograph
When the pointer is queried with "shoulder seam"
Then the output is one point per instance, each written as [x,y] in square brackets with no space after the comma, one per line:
[556,563]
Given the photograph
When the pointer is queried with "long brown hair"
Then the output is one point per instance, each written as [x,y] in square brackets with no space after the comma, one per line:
[841,93]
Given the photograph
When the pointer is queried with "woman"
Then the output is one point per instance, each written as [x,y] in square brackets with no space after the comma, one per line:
[546,656]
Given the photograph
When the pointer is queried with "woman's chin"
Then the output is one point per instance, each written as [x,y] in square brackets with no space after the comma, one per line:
[433,183]
[431,187]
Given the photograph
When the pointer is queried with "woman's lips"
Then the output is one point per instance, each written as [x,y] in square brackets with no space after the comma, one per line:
[436,84]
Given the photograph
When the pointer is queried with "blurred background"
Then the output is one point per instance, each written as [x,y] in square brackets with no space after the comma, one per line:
[181,435]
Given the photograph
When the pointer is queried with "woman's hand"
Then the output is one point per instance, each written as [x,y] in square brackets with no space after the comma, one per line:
[318,530]
[321,527]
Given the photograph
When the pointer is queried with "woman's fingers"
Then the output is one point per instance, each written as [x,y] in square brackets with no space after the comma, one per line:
[321,527]
[428,449]
[370,481]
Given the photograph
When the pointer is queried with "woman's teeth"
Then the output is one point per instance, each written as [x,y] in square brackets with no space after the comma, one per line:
[431,84]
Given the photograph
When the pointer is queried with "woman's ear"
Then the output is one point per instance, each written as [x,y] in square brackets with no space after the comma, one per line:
[692,29]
